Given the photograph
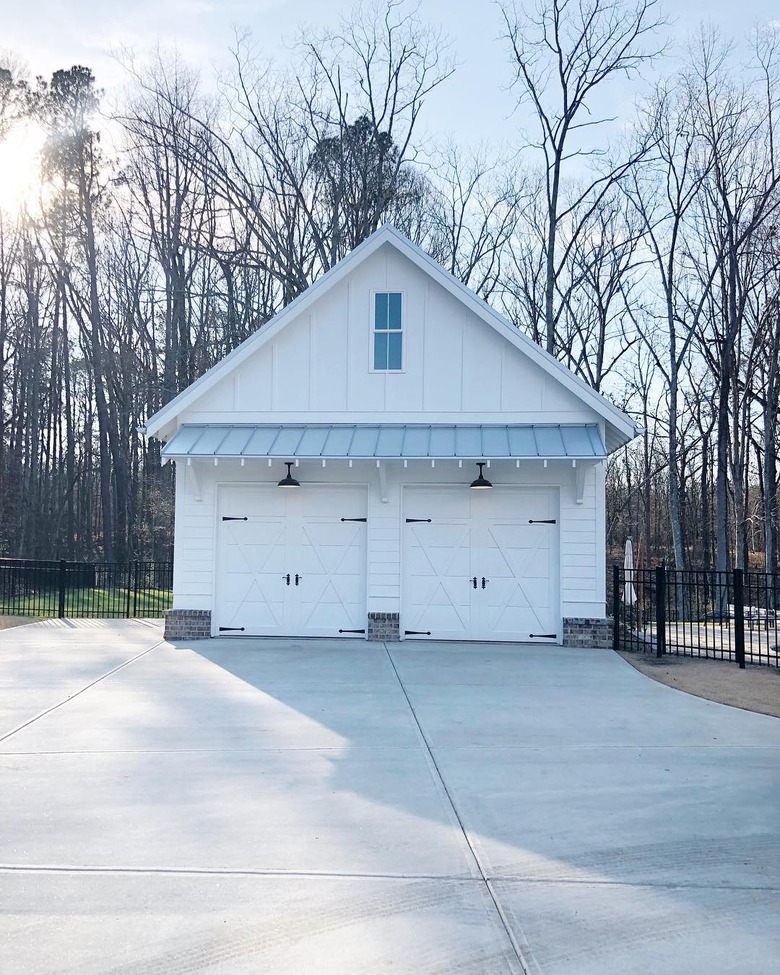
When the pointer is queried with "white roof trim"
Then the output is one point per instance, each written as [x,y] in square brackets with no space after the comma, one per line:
[389,235]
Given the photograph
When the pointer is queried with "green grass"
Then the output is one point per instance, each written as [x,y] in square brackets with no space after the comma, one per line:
[96,603]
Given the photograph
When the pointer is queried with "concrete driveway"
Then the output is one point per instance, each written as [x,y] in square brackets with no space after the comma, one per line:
[341,807]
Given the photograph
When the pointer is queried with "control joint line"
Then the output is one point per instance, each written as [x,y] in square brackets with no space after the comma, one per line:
[97,680]
[485,880]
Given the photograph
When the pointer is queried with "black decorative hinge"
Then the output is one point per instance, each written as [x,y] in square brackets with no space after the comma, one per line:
[417,632]
[352,631]
[237,629]
[542,636]
[353,519]
[410,520]
[542,521]
[231,518]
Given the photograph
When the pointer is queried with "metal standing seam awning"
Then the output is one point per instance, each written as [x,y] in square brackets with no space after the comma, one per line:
[374,441]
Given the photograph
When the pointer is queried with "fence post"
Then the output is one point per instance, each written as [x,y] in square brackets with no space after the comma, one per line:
[615,607]
[135,588]
[660,610]
[739,618]
[61,589]
[129,590]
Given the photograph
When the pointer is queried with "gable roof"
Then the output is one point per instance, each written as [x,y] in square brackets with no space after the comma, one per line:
[620,427]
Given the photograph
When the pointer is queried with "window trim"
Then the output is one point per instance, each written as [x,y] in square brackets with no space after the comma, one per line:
[387,331]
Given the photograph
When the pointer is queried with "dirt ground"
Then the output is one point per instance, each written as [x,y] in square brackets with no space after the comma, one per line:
[752,689]
[6,622]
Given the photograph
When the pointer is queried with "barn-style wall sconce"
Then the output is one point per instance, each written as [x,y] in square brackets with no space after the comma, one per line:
[480,483]
[288,480]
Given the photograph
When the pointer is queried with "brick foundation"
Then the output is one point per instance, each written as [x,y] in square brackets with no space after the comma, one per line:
[585,632]
[187,624]
[384,626]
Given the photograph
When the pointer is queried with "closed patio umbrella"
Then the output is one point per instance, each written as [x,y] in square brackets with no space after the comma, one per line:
[629,593]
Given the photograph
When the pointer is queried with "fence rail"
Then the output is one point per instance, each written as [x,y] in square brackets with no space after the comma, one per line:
[721,615]
[33,587]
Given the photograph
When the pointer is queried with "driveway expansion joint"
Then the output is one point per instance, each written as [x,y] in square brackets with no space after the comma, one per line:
[78,693]
[520,955]
[463,878]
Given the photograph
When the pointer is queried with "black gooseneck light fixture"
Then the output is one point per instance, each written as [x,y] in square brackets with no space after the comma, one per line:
[480,483]
[288,480]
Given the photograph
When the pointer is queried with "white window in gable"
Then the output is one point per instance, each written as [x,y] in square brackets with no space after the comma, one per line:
[388,332]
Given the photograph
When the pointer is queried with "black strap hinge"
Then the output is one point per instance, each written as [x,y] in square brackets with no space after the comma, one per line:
[542,521]
[352,631]
[410,520]
[353,519]
[231,518]
[236,629]
[417,632]
[542,636]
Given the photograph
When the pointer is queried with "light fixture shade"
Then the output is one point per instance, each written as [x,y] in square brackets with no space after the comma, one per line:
[480,483]
[288,480]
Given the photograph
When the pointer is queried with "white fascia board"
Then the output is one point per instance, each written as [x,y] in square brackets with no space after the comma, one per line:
[388,234]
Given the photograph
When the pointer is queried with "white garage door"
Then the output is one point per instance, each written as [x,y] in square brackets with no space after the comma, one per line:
[481,565]
[291,562]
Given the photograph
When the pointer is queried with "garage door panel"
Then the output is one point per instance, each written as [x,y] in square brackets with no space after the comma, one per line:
[437,566]
[492,540]
[255,548]
[253,561]
[448,507]
[332,548]
[252,603]
[259,606]
[522,591]
[440,550]
[299,533]
[442,606]
[521,608]
[329,607]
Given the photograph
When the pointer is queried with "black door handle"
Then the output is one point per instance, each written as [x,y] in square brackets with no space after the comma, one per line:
[473,582]
[484,580]
[297,578]
[287,578]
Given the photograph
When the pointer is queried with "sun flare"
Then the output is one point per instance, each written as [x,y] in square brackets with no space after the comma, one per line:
[20,167]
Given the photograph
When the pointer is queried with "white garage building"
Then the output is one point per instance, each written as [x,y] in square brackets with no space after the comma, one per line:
[328,471]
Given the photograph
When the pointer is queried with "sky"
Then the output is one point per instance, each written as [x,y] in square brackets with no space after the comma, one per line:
[472,107]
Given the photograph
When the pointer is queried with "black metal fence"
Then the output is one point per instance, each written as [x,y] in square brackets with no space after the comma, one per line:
[722,615]
[30,587]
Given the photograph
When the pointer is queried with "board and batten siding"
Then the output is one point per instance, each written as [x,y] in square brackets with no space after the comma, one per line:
[456,368]
[582,560]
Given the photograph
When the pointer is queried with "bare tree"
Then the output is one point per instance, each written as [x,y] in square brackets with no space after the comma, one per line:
[164,169]
[740,196]
[566,53]
[663,190]
[472,212]
[66,107]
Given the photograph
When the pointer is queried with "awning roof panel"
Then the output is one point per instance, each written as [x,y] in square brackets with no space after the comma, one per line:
[442,442]
[390,441]
[394,441]
[236,440]
[550,442]
[417,442]
[364,442]
[258,445]
[313,441]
